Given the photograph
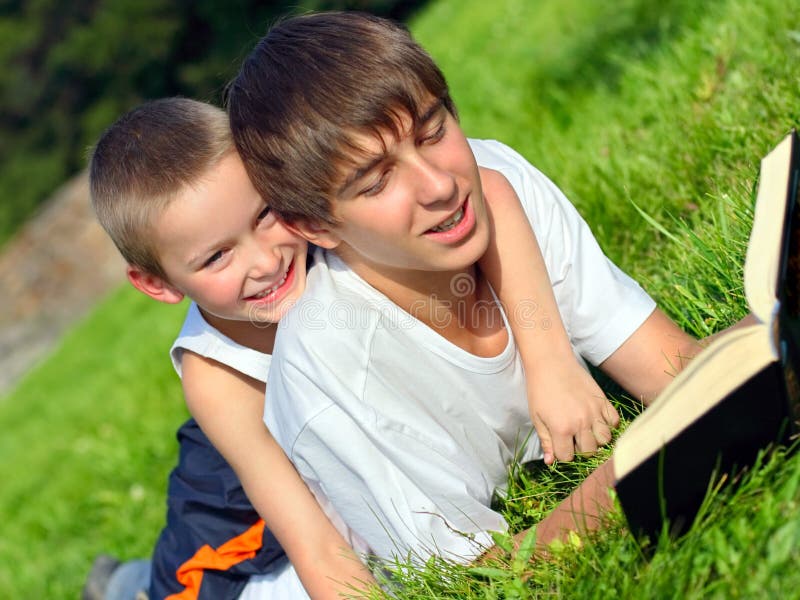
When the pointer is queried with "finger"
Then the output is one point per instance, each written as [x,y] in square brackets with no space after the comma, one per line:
[610,414]
[545,441]
[601,432]
[585,442]
[564,447]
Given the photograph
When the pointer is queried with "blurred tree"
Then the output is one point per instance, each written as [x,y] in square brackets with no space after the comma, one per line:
[71,68]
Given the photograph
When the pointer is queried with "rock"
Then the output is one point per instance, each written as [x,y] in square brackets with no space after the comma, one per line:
[52,272]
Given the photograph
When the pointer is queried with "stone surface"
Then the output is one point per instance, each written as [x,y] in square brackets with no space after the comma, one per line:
[51,273]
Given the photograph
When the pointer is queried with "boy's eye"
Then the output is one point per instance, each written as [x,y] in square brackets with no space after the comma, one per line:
[213,258]
[263,214]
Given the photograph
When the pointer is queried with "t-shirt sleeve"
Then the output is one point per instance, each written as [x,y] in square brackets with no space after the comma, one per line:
[389,512]
[600,305]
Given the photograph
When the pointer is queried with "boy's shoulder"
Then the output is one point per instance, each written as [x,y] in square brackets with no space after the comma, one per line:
[552,216]
[535,190]
[199,336]
[488,151]
[493,154]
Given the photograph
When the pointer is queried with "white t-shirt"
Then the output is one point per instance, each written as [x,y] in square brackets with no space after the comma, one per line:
[405,434]
[201,338]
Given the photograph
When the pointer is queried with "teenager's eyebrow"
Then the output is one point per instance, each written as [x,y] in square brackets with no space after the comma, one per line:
[429,114]
[361,171]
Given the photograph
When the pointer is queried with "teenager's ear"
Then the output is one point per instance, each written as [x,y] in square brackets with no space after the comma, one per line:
[153,285]
[320,234]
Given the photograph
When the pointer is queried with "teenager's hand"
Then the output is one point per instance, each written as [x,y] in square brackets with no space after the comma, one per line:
[570,412]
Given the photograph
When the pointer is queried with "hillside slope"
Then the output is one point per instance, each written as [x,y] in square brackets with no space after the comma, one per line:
[52,272]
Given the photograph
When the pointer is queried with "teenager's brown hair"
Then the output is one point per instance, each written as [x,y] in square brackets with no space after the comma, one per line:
[312,83]
[143,160]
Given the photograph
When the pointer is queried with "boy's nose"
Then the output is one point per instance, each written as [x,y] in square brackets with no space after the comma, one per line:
[265,263]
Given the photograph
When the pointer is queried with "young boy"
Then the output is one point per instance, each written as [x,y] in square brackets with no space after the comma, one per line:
[170,189]
[405,420]
[172,193]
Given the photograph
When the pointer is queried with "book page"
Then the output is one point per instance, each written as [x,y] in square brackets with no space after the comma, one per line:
[718,370]
[762,267]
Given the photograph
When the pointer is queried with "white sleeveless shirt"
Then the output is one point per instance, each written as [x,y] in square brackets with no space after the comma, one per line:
[198,336]
[203,339]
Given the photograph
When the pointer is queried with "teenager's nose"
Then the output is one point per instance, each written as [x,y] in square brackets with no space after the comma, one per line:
[434,184]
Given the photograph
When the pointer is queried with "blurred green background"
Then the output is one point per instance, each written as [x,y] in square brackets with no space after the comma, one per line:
[70,68]
[656,107]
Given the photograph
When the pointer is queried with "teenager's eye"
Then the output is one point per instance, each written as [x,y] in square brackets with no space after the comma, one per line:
[435,135]
[378,186]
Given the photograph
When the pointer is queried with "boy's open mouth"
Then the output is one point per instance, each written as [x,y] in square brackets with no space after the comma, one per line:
[273,291]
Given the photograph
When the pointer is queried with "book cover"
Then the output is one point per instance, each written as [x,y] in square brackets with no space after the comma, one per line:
[741,394]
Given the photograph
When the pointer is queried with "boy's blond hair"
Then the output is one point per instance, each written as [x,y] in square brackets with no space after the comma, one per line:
[309,87]
[144,160]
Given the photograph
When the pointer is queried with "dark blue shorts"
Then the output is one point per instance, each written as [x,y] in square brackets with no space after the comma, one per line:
[214,539]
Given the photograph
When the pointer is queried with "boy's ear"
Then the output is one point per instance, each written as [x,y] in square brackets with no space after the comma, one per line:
[153,285]
[320,234]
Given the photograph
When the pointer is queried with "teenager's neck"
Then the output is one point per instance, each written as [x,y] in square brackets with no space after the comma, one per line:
[258,336]
[459,305]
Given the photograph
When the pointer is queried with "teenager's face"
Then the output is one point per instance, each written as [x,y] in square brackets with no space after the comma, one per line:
[414,203]
[221,245]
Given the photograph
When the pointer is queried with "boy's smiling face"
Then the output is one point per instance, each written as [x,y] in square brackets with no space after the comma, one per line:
[220,245]
[411,204]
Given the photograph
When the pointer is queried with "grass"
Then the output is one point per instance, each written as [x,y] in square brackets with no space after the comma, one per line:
[734,551]
[88,440]
[652,116]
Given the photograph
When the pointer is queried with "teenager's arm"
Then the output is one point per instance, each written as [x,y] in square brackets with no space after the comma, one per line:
[648,360]
[568,409]
[655,353]
[228,406]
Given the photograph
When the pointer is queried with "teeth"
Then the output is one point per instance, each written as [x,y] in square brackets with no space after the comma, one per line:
[270,290]
[451,222]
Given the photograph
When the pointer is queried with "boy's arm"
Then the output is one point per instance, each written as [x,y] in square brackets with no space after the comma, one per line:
[644,365]
[228,406]
[568,409]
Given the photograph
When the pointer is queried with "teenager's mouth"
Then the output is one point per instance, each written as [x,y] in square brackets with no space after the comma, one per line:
[272,293]
[450,223]
[456,227]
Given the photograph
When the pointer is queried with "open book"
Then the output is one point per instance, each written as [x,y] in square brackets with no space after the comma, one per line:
[740,394]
